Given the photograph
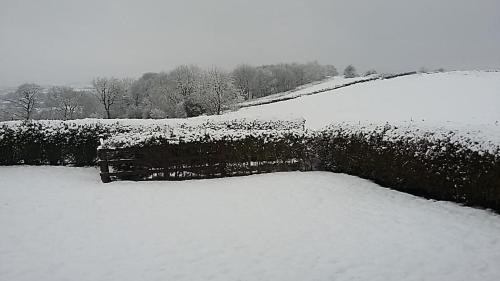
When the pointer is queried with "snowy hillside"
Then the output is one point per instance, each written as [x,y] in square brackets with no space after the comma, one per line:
[465,97]
[62,223]
[306,89]
[453,99]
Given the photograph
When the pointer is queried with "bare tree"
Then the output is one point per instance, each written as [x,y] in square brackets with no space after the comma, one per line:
[244,76]
[66,101]
[25,100]
[107,91]
[221,91]
[263,83]
[167,95]
[186,78]
[140,96]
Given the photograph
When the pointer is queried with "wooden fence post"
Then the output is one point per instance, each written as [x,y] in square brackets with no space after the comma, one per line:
[103,164]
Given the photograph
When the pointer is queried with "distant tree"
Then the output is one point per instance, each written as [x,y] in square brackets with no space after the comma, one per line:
[187,90]
[312,71]
[244,76]
[440,70]
[284,77]
[168,96]
[331,71]
[370,72]
[423,69]
[186,78]
[107,92]
[89,104]
[124,102]
[217,91]
[193,106]
[263,84]
[140,95]
[65,100]
[25,100]
[350,72]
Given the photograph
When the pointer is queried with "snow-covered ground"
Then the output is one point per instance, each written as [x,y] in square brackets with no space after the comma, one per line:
[61,223]
[457,97]
[465,97]
[307,89]
[454,98]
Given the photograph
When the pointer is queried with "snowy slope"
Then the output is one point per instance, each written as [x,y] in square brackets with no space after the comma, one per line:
[458,97]
[61,223]
[465,97]
[307,89]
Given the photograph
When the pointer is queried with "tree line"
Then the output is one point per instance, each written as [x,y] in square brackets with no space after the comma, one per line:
[185,91]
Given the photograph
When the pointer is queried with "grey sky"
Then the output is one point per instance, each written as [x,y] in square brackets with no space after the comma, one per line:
[69,41]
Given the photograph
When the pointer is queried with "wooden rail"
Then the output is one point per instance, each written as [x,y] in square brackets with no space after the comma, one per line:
[187,161]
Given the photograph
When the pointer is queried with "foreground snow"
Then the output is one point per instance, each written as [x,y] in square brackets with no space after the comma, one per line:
[61,223]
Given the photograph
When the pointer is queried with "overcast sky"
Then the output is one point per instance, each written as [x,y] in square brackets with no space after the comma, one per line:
[69,41]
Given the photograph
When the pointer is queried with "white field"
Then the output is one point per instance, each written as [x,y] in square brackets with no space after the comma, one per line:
[455,99]
[463,97]
[61,223]
[308,88]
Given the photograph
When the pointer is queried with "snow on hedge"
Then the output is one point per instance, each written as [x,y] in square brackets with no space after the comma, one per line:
[478,138]
[481,138]
[188,135]
[201,121]
[268,130]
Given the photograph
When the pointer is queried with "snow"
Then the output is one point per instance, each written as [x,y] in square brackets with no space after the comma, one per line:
[61,223]
[463,102]
[483,138]
[478,138]
[307,89]
[464,97]
[177,135]
[457,98]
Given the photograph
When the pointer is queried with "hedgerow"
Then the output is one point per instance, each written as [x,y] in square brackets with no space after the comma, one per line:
[60,143]
[75,143]
[460,165]
[441,164]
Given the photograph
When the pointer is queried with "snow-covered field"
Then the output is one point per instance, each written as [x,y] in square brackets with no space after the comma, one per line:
[464,97]
[307,89]
[61,223]
[454,98]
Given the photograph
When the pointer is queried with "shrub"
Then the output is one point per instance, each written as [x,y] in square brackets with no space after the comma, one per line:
[439,164]
[54,143]
[76,142]
[456,164]
[350,72]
